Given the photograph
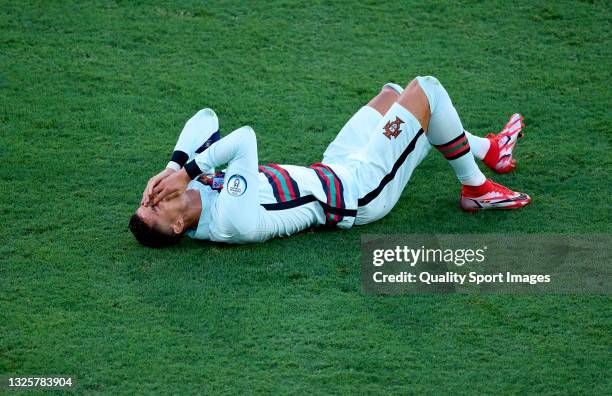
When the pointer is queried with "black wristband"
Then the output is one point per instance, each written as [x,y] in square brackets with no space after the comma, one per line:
[179,157]
[192,169]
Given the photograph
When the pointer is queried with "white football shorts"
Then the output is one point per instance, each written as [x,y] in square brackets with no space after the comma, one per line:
[379,167]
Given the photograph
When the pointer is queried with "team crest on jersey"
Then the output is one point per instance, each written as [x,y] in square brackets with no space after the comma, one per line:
[236,185]
[393,128]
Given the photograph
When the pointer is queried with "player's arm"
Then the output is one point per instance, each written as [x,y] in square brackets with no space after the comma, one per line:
[199,133]
[154,181]
[232,148]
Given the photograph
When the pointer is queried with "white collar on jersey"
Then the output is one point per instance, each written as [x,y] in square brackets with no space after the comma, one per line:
[207,195]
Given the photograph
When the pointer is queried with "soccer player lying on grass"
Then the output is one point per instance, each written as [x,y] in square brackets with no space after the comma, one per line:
[361,177]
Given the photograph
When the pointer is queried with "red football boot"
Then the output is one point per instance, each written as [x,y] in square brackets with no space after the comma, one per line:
[499,157]
[491,195]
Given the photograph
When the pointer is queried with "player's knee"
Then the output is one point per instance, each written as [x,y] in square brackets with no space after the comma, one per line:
[416,102]
[201,115]
[430,80]
[432,88]
[393,88]
[206,112]
[247,134]
[385,98]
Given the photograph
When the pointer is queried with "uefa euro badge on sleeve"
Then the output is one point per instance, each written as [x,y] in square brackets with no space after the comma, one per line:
[236,185]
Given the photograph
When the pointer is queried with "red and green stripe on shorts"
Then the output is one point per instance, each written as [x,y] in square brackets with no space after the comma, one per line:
[333,190]
[283,185]
[454,149]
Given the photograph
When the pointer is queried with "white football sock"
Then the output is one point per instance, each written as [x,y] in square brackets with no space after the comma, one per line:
[478,145]
[446,133]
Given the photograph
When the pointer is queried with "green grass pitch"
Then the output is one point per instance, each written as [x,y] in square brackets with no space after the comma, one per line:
[93,96]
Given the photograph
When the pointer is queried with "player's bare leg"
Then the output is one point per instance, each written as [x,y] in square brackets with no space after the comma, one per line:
[415,101]
[385,98]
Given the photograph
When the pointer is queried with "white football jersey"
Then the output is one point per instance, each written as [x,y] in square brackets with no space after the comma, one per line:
[289,199]
[361,177]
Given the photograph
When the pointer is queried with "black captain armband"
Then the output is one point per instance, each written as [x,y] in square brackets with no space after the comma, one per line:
[192,169]
[180,158]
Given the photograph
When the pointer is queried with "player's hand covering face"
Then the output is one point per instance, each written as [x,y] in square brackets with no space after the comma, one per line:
[171,186]
[152,183]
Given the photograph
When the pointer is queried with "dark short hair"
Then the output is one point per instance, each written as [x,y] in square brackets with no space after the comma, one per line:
[149,236]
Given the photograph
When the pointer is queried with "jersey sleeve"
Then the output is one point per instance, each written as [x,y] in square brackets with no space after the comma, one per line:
[199,133]
[239,147]
[237,216]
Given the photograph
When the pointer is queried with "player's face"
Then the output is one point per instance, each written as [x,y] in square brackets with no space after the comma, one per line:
[162,215]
